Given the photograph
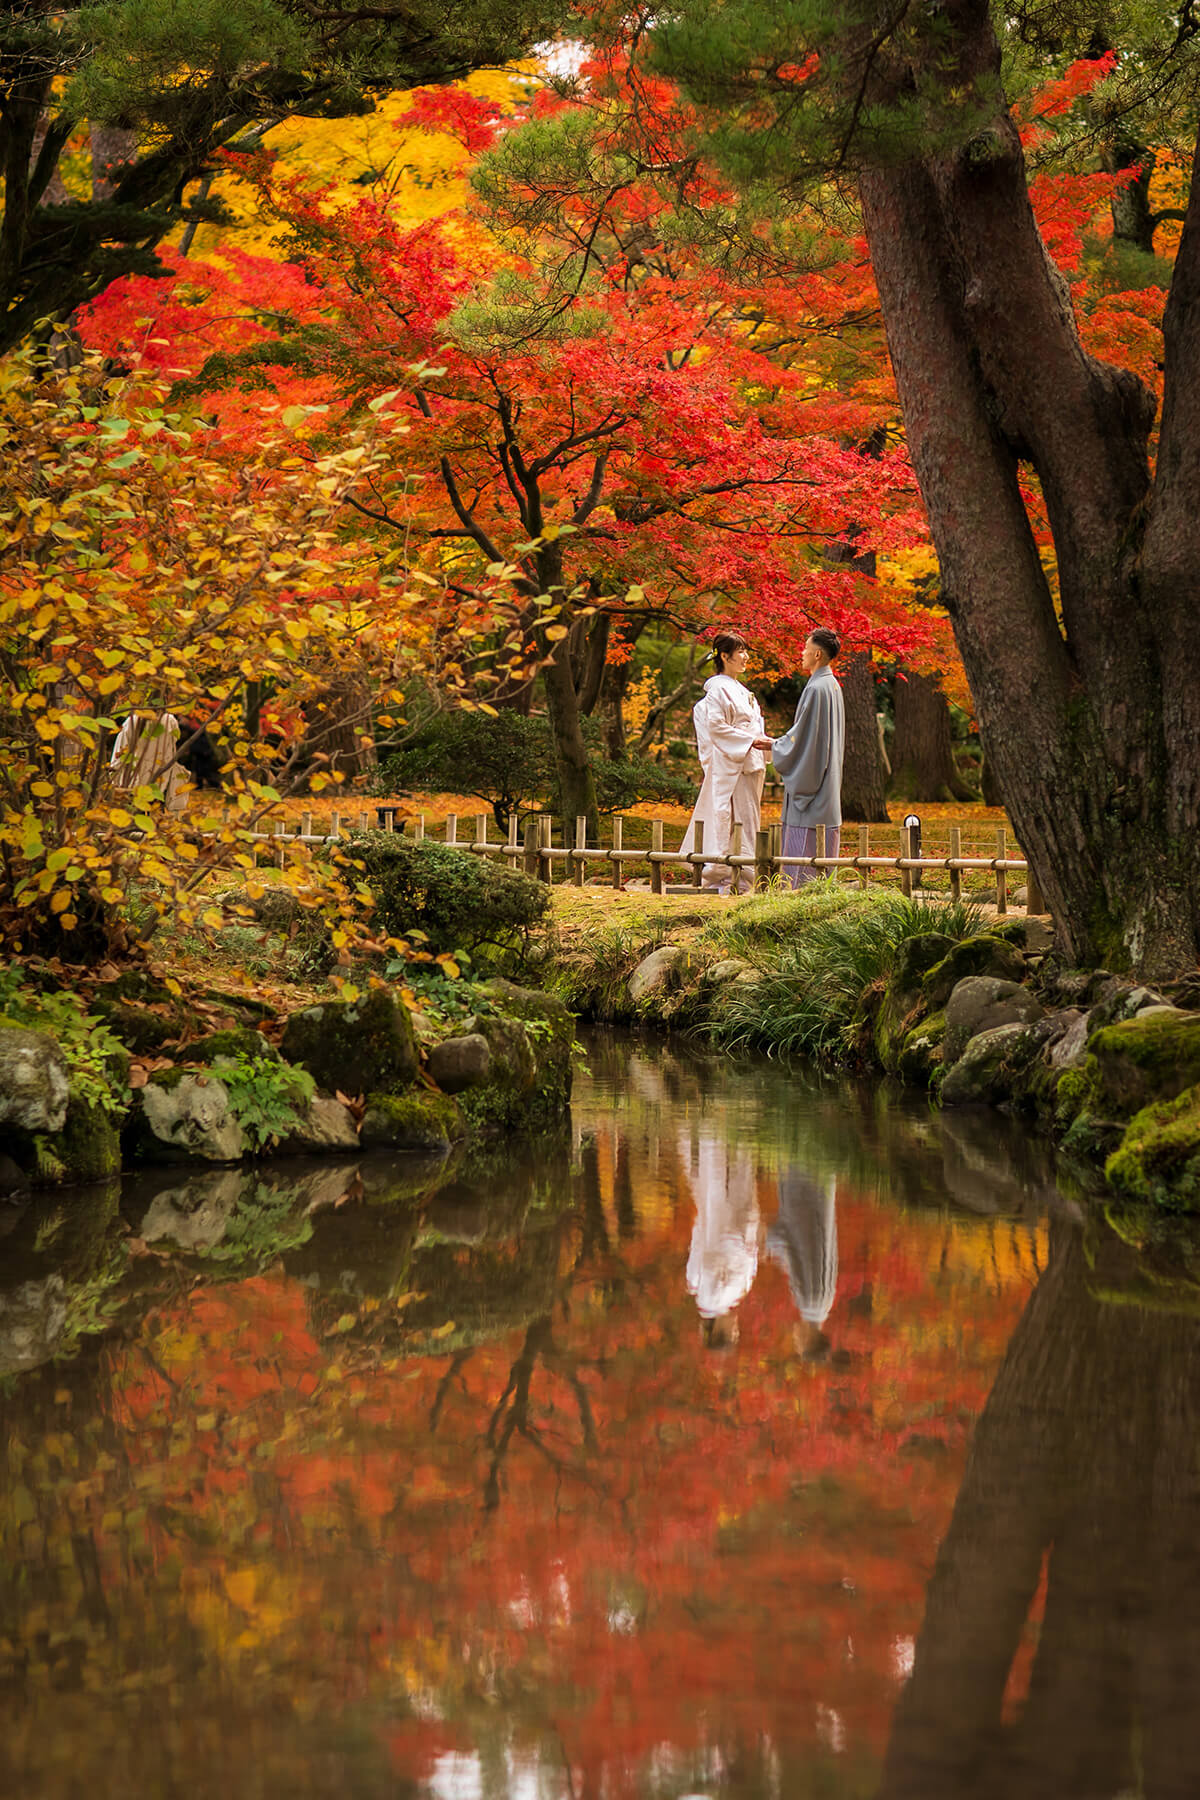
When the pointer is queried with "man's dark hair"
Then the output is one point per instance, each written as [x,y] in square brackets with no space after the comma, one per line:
[826,640]
[726,643]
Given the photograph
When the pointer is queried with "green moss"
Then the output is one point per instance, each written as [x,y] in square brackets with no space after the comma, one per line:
[88,1148]
[238,1041]
[364,1046]
[920,1055]
[1144,1060]
[1158,1159]
[421,1119]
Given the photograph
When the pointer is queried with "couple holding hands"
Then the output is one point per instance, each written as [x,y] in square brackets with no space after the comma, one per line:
[733,746]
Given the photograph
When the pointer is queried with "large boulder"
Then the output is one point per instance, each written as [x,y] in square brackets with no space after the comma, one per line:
[920,1055]
[984,1003]
[656,972]
[458,1063]
[239,1040]
[324,1126]
[185,1117]
[362,1046]
[1158,1160]
[34,1088]
[990,1069]
[986,954]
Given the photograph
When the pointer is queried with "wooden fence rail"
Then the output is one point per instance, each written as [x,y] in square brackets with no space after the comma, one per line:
[537,854]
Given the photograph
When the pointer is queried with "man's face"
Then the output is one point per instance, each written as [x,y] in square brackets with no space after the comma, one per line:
[811,657]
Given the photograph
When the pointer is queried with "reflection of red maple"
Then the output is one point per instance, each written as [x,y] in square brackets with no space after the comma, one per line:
[688,1548]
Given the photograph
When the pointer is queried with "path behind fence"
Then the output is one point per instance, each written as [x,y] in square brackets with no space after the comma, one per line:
[533,849]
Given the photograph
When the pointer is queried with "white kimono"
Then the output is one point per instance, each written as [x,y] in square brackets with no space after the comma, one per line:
[723,1259]
[144,756]
[728,719]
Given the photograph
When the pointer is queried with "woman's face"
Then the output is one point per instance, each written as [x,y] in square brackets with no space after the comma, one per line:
[737,662]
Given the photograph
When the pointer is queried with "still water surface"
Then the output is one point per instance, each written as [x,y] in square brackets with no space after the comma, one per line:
[762,1438]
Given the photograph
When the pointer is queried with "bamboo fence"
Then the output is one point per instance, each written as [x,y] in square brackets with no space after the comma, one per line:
[533,849]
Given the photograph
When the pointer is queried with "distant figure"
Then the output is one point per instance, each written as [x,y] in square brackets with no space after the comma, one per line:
[803,1241]
[144,755]
[199,755]
[808,759]
[723,1259]
[731,740]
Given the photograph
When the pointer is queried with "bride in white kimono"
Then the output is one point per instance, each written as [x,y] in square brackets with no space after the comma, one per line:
[731,741]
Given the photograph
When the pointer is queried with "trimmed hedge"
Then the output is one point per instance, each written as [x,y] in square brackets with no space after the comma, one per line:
[459,901]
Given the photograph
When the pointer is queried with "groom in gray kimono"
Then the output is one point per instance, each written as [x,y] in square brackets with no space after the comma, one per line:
[808,759]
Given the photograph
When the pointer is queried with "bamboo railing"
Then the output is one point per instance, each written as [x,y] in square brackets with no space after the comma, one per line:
[533,850]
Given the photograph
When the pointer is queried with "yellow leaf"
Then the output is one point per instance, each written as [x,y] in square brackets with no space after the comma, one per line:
[60,901]
[120,818]
[43,789]
[68,921]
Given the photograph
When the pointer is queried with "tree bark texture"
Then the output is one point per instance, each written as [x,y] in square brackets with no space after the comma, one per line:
[1091,720]
[922,754]
[864,778]
[1082,1468]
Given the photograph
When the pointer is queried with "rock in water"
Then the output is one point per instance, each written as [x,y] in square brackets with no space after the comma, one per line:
[33,1081]
[984,1003]
[460,1062]
[189,1119]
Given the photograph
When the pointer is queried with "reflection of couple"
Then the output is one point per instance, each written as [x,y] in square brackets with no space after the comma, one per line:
[723,1259]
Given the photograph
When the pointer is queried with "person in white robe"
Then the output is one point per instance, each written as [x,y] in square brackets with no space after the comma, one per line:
[723,1258]
[731,739]
[144,755]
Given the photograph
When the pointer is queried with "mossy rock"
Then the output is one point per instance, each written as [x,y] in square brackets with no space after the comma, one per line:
[531,1037]
[988,954]
[364,1046]
[237,1041]
[991,1070]
[88,1148]
[1140,1063]
[421,1119]
[1158,1159]
[920,1055]
[903,1004]
[141,1030]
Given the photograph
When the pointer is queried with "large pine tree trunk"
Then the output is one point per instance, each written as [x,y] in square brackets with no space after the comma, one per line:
[864,777]
[922,754]
[1092,723]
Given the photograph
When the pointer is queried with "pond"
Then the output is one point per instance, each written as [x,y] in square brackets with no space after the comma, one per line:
[764,1437]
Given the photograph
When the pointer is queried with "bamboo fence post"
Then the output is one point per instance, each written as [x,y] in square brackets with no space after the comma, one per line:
[1001,874]
[618,834]
[512,849]
[955,854]
[389,818]
[335,820]
[762,859]
[305,825]
[821,842]
[545,862]
[532,830]
[452,830]
[280,830]
[419,829]
[577,862]
[1035,901]
[656,844]
[480,843]
[364,821]
[735,849]
[698,848]
[864,851]
[906,881]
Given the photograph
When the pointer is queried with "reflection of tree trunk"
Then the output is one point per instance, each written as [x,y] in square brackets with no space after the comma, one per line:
[863,776]
[1085,1450]
[922,757]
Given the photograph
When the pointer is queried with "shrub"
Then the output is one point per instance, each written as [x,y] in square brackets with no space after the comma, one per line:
[459,901]
[508,761]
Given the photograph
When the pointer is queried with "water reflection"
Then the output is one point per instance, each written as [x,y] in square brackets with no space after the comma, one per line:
[420,1480]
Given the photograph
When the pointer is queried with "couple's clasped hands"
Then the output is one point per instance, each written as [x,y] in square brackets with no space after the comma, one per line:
[764,743]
